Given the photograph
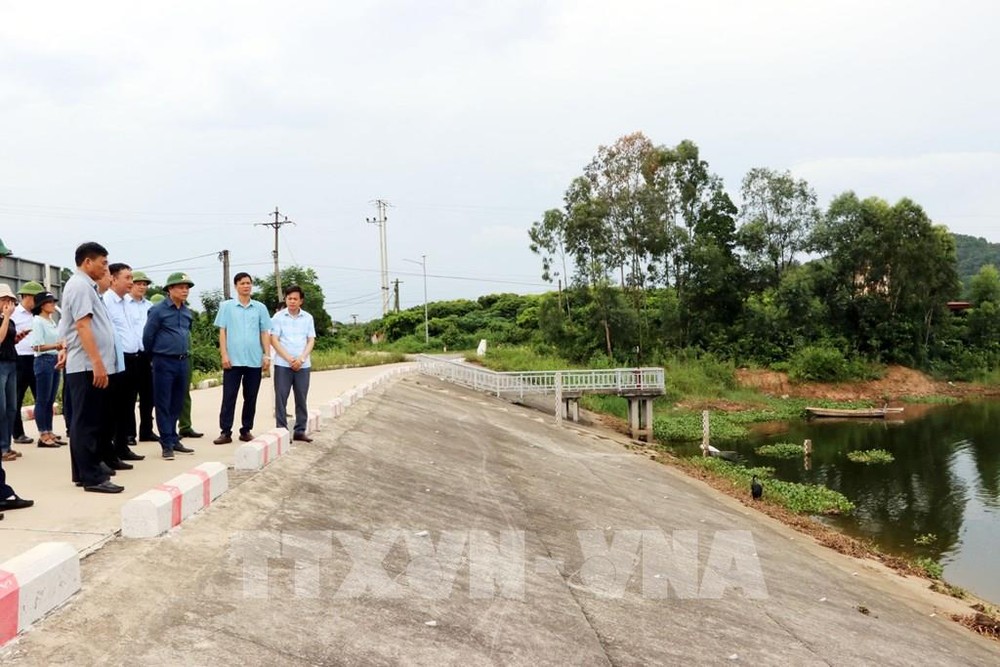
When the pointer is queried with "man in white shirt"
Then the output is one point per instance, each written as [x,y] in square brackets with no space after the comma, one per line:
[23,320]
[293,334]
[124,386]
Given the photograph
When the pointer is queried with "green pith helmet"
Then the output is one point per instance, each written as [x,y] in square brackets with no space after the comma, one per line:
[178,278]
[156,298]
[31,288]
[140,277]
[4,250]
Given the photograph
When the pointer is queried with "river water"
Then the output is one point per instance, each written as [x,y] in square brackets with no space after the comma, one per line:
[945,483]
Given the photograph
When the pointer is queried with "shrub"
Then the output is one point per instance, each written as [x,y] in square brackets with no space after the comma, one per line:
[818,364]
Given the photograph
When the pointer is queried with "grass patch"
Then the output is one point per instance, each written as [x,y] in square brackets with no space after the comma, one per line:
[871,456]
[797,498]
[781,450]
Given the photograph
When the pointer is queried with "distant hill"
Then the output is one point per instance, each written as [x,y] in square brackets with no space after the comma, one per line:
[973,254]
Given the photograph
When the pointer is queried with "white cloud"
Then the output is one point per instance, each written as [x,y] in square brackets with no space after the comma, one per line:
[471,117]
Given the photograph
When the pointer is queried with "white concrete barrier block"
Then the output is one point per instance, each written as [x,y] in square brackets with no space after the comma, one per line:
[284,439]
[34,583]
[313,423]
[27,413]
[209,383]
[257,453]
[158,510]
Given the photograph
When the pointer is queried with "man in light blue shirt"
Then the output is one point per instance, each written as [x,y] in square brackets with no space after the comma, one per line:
[293,334]
[244,338]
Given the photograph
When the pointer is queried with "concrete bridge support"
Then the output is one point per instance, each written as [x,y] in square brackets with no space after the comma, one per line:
[640,417]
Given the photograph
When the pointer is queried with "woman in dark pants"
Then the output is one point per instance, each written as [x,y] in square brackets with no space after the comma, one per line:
[8,398]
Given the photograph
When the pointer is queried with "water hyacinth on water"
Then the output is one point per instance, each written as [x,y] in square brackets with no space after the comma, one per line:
[781,450]
[871,456]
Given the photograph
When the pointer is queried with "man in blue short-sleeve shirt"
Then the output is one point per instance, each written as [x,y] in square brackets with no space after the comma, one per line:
[244,339]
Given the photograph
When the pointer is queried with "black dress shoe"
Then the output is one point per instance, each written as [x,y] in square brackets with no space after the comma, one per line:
[23,440]
[120,465]
[105,487]
[149,437]
[168,454]
[15,503]
[246,437]
[182,449]
[107,470]
[301,437]
[132,456]
[190,433]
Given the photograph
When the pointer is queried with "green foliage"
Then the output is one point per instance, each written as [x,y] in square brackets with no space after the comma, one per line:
[871,456]
[781,450]
[931,567]
[687,427]
[305,278]
[798,498]
[925,540]
[972,254]
[818,364]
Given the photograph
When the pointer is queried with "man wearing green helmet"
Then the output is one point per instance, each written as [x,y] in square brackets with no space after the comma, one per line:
[24,320]
[167,337]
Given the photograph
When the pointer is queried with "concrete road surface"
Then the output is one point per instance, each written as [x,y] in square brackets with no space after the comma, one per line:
[433,525]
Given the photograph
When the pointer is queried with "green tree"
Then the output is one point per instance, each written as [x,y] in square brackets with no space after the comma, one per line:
[305,278]
[779,213]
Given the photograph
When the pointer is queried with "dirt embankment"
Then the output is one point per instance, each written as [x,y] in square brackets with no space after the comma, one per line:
[898,382]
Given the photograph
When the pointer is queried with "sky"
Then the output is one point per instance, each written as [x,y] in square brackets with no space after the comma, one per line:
[168,131]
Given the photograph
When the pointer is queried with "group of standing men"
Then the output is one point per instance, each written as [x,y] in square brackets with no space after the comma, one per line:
[117,346]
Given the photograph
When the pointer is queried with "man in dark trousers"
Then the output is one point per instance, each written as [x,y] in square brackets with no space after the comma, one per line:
[244,342]
[124,386]
[137,306]
[90,357]
[24,320]
[167,336]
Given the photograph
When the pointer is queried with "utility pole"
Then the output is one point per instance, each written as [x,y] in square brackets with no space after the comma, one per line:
[395,289]
[380,206]
[423,265]
[224,258]
[354,316]
[276,225]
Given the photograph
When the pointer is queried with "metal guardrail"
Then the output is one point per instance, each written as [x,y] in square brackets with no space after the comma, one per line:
[616,381]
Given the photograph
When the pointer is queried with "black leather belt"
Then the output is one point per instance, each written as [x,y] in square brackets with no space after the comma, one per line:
[131,355]
[171,356]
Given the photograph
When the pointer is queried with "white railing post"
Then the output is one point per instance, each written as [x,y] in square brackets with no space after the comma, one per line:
[559,407]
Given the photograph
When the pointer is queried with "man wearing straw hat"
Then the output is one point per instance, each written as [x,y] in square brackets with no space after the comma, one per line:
[8,373]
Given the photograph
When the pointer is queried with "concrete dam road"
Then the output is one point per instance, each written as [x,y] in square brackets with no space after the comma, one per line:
[434,525]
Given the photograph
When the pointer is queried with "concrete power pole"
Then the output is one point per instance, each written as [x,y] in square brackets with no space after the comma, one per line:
[380,206]
[224,258]
[276,225]
[395,291]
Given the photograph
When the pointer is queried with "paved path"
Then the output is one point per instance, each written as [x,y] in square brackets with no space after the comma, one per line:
[66,513]
[387,540]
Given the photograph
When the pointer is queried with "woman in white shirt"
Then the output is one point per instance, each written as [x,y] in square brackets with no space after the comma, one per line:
[46,343]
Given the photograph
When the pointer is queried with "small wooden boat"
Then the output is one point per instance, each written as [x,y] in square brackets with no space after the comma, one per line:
[858,413]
